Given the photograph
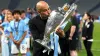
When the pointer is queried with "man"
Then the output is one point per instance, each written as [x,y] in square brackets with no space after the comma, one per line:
[2,15]
[27,37]
[29,13]
[18,31]
[37,27]
[5,41]
[73,36]
[79,20]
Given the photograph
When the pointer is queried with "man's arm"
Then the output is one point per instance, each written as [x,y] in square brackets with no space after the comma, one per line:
[81,25]
[34,30]
[23,36]
[73,27]
[25,29]
[0,19]
[12,38]
[72,31]
[11,33]
[1,30]
[60,32]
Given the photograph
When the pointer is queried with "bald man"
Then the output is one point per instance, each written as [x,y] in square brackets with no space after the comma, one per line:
[37,27]
[43,9]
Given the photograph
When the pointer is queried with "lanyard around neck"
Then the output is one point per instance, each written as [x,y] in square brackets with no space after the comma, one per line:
[16,27]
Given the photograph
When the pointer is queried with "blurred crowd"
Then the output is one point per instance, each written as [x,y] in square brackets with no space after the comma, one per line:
[17,39]
[6,17]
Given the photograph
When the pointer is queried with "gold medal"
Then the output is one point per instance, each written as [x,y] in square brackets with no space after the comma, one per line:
[16,33]
[16,27]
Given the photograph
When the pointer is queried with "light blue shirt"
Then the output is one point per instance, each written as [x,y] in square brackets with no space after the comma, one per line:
[0,17]
[26,20]
[99,17]
[5,25]
[79,16]
[28,15]
[21,29]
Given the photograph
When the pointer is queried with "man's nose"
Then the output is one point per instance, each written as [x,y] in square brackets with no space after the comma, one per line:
[47,12]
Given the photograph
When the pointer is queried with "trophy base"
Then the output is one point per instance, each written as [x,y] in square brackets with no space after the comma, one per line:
[44,43]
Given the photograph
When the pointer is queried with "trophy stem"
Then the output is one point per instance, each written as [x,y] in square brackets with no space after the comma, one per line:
[45,43]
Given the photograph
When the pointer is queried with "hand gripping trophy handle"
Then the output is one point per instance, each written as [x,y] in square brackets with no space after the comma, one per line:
[54,23]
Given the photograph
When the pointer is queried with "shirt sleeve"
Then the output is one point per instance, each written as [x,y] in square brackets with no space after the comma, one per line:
[27,21]
[10,27]
[3,24]
[25,27]
[90,30]
[84,31]
[34,30]
[74,21]
[0,18]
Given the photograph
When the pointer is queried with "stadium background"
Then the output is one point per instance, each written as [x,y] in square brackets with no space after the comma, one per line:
[83,6]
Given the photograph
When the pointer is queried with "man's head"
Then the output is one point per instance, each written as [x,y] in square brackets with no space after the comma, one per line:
[29,10]
[43,9]
[75,13]
[9,15]
[4,11]
[16,14]
[23,15]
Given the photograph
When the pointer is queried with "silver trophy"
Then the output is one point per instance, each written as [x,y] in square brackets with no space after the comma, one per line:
[56,18]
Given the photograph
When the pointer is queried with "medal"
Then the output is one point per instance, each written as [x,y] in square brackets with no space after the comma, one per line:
[16,27]
[16,33]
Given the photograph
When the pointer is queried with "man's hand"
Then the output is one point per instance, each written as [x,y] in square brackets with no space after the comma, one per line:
[15,41]
[83,38]
[60,32]
[18,43]
[70,38]
[80,30]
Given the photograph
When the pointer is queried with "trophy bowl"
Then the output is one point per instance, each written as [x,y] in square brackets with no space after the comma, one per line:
[57,18]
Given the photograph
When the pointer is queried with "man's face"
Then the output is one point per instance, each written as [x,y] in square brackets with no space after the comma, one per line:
[44,12]
[10,17]
[23,15]
[74,13]
[28,10]
[17,16]
[8,13]
[5,11]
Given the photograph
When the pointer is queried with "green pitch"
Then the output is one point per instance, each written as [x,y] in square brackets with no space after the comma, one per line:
[96,42]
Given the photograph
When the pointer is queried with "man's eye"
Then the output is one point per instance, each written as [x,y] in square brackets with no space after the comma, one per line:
[43,10]
[48,8]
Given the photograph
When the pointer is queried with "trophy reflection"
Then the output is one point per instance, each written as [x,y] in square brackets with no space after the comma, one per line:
[57,18]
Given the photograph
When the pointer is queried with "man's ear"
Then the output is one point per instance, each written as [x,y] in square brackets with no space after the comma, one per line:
[38,12]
